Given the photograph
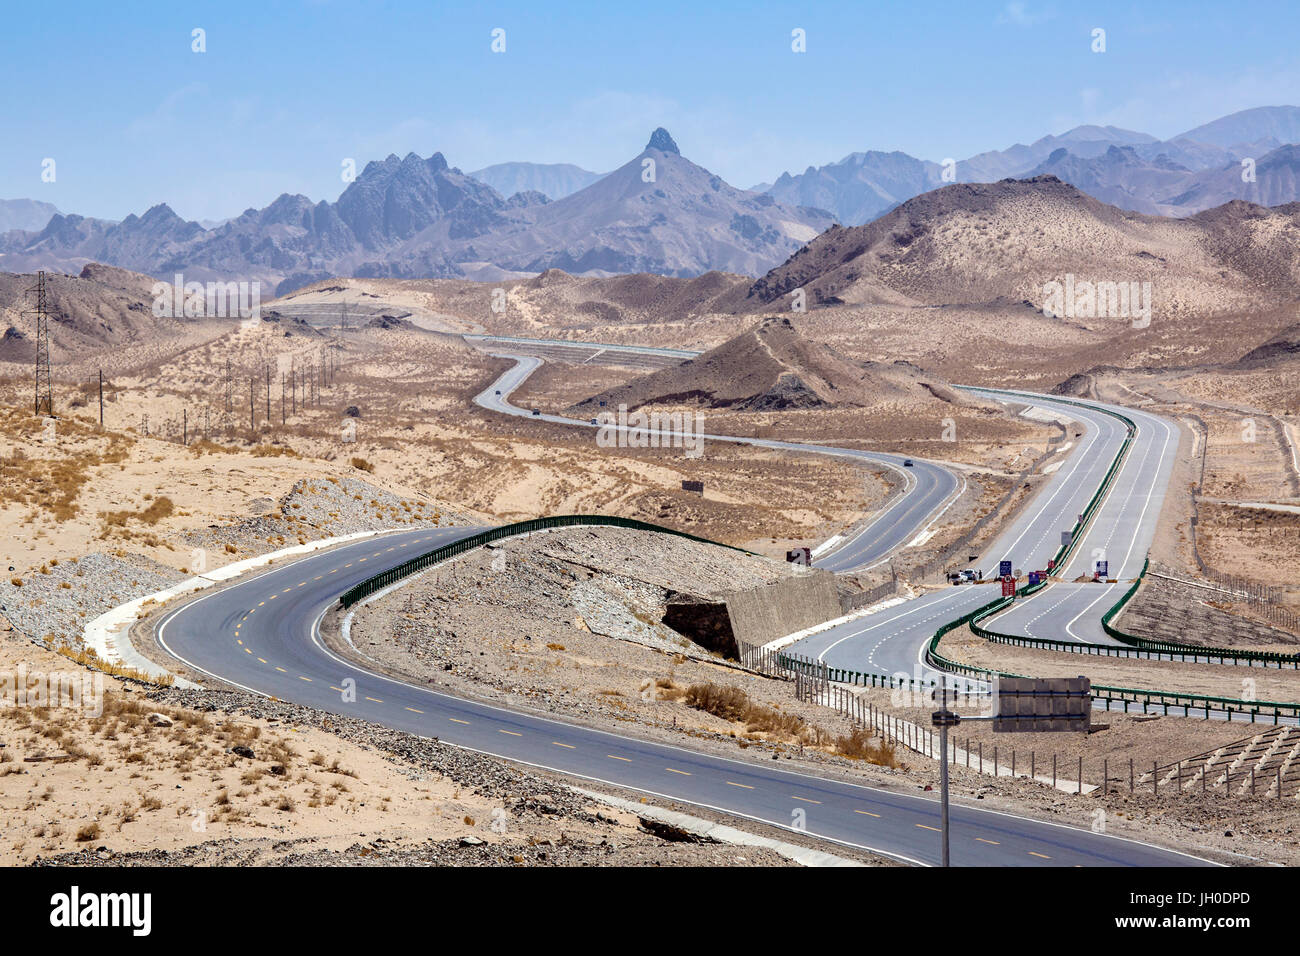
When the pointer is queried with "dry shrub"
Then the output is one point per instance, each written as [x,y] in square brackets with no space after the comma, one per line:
[729,703]
[860,745]
[89,832]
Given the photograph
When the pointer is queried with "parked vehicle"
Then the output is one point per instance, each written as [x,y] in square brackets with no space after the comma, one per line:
[907,463]
[537,411]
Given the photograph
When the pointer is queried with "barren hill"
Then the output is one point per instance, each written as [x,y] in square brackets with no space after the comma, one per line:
[103,306]
[1002,242]
[772,367]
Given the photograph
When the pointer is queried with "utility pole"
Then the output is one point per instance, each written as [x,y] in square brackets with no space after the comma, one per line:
[229,407]
[44,386]
[101,398]
[252,399]
[282,398]
[268,393]
[343,323]
[185,427]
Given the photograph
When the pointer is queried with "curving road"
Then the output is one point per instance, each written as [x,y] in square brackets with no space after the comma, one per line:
[261,634]
[927,486]
[1121,530]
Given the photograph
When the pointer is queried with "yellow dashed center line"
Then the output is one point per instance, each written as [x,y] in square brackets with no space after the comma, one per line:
[413,710]
[1041,856]
[624,759]
[924,827]
[682,772]
[262,659]
[339,689]
[867,813]
[990,842]
[806,799]
[259,604]
[456,720]
[286,590]
[510,732]
[743,786]
[307,679]
[375,699]
[565,746]
[247,651]
[282,670]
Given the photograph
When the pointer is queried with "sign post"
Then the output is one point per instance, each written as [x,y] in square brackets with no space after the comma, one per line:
[943,718]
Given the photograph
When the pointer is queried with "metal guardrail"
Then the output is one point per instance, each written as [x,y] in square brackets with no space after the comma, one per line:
[382,580]
[1162,700]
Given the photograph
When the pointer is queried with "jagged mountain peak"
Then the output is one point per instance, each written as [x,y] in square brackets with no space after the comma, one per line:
[661,140]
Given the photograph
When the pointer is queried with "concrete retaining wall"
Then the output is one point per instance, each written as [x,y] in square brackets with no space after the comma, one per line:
[763,614]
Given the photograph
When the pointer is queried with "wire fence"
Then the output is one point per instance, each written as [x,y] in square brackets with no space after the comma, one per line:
[1266,600]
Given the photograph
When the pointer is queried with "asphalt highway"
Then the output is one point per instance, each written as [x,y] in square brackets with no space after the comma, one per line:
[262,634]
[928,487]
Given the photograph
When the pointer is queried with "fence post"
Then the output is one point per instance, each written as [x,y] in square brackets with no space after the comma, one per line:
[1130,774]
[1080,775]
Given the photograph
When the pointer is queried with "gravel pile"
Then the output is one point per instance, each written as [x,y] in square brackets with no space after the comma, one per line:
[58,604]
[566,852]
[483,775]
[317,508]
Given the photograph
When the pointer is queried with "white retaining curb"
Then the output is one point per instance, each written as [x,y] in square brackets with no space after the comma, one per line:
[109,634]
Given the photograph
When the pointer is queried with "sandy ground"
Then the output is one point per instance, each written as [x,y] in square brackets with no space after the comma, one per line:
[109,783]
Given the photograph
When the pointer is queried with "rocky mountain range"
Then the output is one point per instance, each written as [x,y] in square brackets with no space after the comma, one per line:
[1181,176]
[414,217]
[25,214]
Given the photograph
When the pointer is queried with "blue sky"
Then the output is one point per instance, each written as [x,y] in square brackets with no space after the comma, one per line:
[290,88]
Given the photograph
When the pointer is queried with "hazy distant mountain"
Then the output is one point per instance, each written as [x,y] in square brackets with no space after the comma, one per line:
[26,214]
[859,187]
[684,221]
[1129,169]
[415,217]
[1276,181]
[1280,124]
[1120,177]
[552,180]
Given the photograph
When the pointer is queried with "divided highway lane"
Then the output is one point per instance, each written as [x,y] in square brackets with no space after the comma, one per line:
[893,640]
[929,485]
[261,634]
[1120,534]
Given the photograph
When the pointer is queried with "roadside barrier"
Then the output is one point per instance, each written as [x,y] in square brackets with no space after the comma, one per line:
[382,580]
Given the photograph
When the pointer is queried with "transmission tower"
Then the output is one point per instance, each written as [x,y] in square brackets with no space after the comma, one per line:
[343,323]
[44,386]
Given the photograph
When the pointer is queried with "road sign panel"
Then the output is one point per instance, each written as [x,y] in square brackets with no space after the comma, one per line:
[1008,586]
[1103,569]
[1004,569]
[1066,538]
[1051,704]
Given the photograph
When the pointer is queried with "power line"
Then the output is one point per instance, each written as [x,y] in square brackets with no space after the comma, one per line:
[44,385]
